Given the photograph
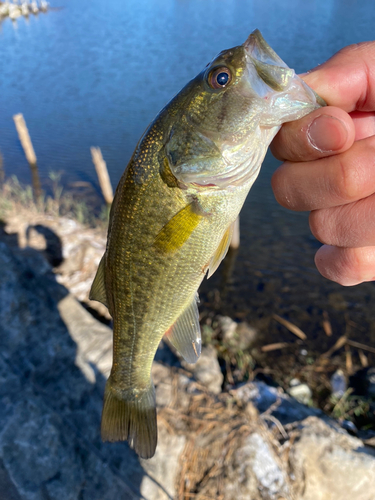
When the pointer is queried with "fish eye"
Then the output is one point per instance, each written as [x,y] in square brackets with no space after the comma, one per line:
[219,78]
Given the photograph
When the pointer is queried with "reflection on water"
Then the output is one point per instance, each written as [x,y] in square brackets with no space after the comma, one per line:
[95,72]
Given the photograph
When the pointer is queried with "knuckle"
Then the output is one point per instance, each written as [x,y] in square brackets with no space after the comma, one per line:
[349,179]
[353,264]
[353,175]
[332,226]
[321,226]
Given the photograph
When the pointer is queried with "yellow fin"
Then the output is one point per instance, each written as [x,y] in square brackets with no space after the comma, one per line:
[177,231]
[130,416]
[185,333]
[98,291]
[221,251]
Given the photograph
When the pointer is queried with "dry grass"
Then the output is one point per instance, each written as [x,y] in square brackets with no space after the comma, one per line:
[216,426]
[15,197]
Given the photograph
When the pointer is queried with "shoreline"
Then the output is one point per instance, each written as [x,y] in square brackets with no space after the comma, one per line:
[245,344]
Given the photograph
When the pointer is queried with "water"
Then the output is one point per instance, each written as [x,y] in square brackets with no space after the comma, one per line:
[96,72]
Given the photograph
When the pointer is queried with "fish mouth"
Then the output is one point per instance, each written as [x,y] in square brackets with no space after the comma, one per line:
[257,48]
[274,72]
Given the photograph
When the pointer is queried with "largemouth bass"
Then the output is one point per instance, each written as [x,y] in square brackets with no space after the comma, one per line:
[172,217]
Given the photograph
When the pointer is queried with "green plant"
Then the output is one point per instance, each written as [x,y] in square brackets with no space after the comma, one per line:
[348,406]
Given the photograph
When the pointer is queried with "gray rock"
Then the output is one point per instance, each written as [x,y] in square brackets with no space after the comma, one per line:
[227,326]
[207,370]
[256,472]
[263,397]
[331,465]
[163,467]
[301,392]
[338,383]
[54,360]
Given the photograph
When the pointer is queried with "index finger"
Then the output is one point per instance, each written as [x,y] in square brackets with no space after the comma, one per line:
[347,79]
[347,83]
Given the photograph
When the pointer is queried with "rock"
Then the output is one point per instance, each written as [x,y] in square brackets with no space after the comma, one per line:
[207,370]
[54,361]
[227,327]
[93,339]
[163,467]
[246,336]
[256,472]
[326,462]
[301,392]
[338,383]
[71,248]
[263,397]
[331,465]
[238,335]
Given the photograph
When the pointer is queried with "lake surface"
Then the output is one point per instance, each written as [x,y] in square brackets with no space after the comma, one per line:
[95,73]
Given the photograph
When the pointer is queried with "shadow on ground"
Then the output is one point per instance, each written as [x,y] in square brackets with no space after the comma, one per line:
[50,446]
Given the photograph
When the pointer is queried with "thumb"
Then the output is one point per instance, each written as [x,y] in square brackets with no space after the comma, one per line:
[324,132]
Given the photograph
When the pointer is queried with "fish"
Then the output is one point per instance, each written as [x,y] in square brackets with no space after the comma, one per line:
[172,218]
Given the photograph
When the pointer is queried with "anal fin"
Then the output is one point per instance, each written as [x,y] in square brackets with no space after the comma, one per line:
[185,333]
[98,291]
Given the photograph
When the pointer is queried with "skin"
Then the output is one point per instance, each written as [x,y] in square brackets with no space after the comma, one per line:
[329,165]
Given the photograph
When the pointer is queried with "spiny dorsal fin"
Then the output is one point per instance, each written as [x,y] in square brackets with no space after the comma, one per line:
[185,334]
[221,250]
[97,291]
[176,232]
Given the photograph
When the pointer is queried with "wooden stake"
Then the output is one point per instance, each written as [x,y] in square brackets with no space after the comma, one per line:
[27,146]
[2,172]
[23,134]
[102,173]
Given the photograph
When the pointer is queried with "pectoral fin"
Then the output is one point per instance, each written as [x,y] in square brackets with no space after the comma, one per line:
[221,250]
[176,232]
[98,291]
[185,334]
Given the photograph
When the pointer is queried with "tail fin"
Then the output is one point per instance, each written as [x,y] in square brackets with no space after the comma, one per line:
[130,417]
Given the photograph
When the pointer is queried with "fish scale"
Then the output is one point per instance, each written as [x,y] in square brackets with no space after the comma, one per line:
[172,217]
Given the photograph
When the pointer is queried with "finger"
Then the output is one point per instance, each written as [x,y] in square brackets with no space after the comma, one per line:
[324,132]
[347,266]
[328,182]
[351,225]
[364,124]
[347,80]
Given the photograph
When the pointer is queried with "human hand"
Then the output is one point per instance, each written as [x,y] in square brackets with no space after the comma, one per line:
[330,165]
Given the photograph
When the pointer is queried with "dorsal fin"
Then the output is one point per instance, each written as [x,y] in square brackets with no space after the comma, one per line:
[221,250]
[98,291]
[185,333]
